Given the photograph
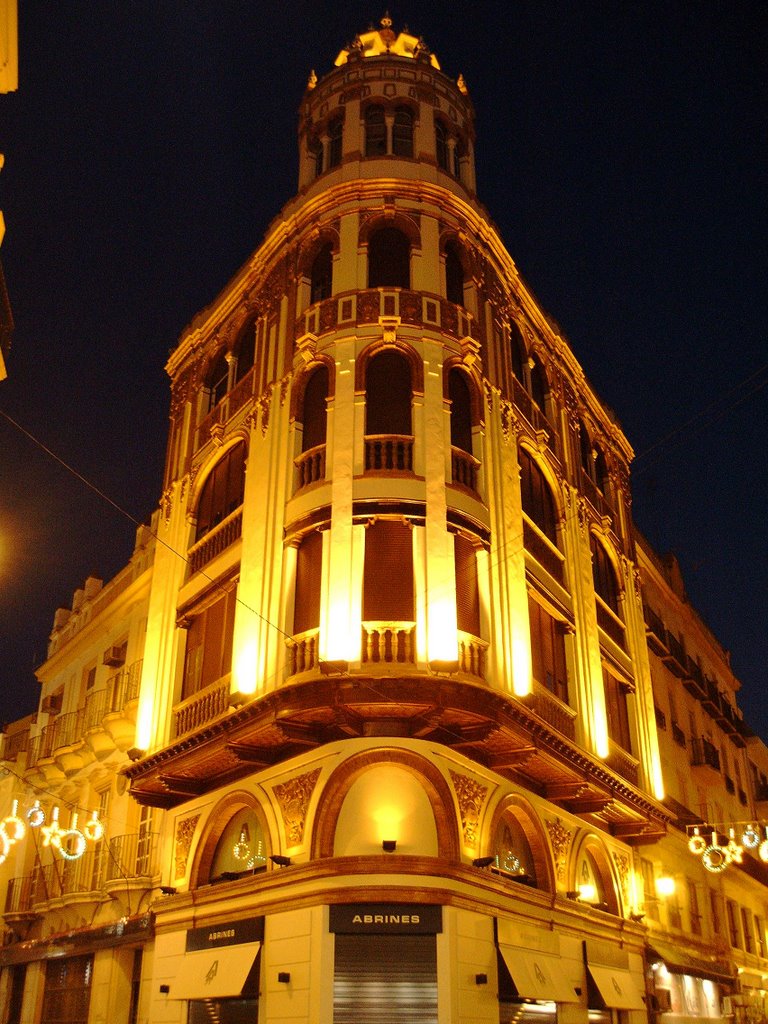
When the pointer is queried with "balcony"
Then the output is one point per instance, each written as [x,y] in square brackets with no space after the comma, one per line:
[541,427]
[678,735]
[464,470]
[544,551]
[553,711]
[388,453]
[15,744]
[131,861]
[693,681]
[597,499]
[310,466]
[655,631]
[18,899]
[387,643]
[472,653]
[676,659]
[704,754]
[215,541]
[303,652]
[231,403]
[623,763]
[202,707]
[610,623]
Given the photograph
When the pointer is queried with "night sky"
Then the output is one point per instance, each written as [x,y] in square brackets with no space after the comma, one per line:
[621,152]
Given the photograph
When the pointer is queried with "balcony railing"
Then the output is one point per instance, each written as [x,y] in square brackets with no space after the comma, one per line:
[544,551]
[310,466]
[132,856]
[678,735]
[704,753]
[472,652]
[388,453]
[215,541]
[464,469]
[610,624]
[389,643]
[18,895]
[655,630]
[535,417]
[676,659]
[15,744]
[302,652]
[552,710]
[202,707]
[661,718]
[623,763]
[123,687]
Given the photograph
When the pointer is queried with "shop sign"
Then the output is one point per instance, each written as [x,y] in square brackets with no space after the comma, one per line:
[214,935]
[386,919]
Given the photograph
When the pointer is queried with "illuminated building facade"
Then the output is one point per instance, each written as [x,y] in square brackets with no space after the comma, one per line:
[384,740]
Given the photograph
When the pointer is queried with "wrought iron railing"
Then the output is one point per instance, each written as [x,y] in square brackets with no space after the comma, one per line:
[215,541]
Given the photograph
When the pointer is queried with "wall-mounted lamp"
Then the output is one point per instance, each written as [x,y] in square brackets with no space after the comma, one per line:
[481,979]
[389,845]
[665,885]
[483,862]
[587,892]
[283,977]
[136,753]
[280,861]
[168,890]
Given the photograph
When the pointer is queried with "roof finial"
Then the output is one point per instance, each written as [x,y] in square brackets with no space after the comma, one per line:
[312,80]
[386,21]
[386,32]
[462,85]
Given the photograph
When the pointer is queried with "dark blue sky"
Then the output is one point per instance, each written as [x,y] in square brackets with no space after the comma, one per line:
[621,151]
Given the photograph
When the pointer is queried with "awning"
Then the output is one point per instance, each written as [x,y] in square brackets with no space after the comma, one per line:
[620,989]
[677,961]
[537,975]
[214,973]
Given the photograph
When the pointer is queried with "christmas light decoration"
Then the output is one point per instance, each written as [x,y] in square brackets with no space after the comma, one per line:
[12,826]
[717,852]
[36,815]
[697,843]
[750,837]
[93,829]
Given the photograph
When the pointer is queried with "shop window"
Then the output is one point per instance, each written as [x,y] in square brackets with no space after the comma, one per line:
[18,979]
[217,380]
[616,710]
[467,591]
[321,274]
[388,395]
[513,1009]
[335,134]
[375,131]
[454,275]
[222,491]
[67,993]
[241,848]
[208,654]
[402,132]
[513,851]
[548,662]
[389,259]
[385,978]
[246,350]
[388,573]
[309,568]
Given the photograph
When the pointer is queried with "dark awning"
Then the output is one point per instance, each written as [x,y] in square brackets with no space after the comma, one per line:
[678,961]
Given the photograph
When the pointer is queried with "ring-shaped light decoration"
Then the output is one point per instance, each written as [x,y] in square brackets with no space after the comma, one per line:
[512,863]
[697,843]
[762,851]
[36,815]
[715,859]
[5,847]
[13,826]
[71,843]
[750,837]
[93,829]
[241,850]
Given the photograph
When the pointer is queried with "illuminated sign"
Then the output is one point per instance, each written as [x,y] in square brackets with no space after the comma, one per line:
[386,919]
[212,936]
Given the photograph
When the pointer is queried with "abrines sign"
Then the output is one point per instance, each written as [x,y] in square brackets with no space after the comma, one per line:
[215,935]
[386,919]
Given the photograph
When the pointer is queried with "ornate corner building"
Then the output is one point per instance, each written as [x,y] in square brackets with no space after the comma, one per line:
[376,723]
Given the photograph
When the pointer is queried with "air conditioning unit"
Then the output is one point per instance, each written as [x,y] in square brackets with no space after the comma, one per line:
[115,656]
[662,1000]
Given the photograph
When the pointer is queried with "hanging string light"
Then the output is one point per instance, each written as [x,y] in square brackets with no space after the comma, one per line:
[12,826]
[70,842]
[717,852]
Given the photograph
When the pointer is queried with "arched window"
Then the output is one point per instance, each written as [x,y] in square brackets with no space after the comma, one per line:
[241,847]
[537,498]
[316,152]
[388,573]
[309,567]
[246,350]
[222,491]
[402,132]
[335,134]
[461,411]
[388,394]
[321,275]
[585,452]
[601,470]
[208,652]
[517,352]
[454,275]
[616,710]
[441,146]
[217,380]
[314,411]
[467,590]
[591,883]
[375,131]
[604,576]
[548,662]
[539,389]
[389,259]
[513,850]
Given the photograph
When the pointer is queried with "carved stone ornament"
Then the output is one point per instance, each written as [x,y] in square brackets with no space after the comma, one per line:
[471,797]
[560,838]
[284,385]
[583,514]
[293,797]
[510,421]
[263,404]
[185,830]
[165,501]
[621,860]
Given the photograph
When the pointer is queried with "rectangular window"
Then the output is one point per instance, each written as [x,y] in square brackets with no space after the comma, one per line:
[759,936]
[383,978]
[650,899]
[616,710]
[715,909]
[746,929]
[548,650]
[733,923]
[144,843]
[209,644]
[67,993]
[693,907]
[674,911]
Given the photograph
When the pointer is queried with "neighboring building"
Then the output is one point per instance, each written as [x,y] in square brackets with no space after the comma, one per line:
[402,737]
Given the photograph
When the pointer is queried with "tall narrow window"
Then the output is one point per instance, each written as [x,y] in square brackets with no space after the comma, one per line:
[402,132]
[388,573]
[217,380]
[389,259]
[375,131]
[335,133]
[314,412]
[548,651]
[537,499]
[222,491]
[467,592]
[517,352]
[616,710]
[441,146]
[246,350]
[539,387]
[309,568]
[461,411]
[388,395]
[604,576]
[321,275]
[209,645]
[454,275]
